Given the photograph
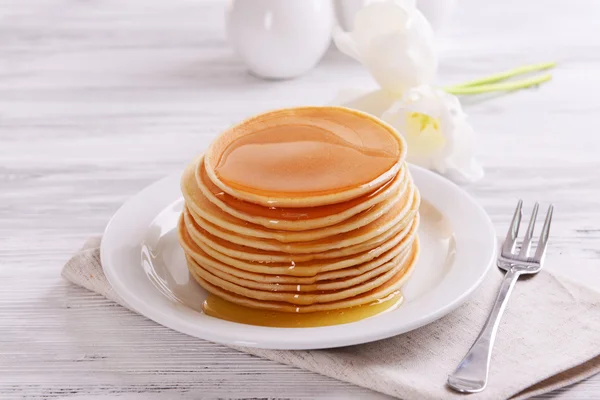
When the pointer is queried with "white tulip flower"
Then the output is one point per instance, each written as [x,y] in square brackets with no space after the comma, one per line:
[394,41]
[436,131]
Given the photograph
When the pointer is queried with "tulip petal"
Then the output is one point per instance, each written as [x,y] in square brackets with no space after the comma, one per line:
[437,133]
[395,43]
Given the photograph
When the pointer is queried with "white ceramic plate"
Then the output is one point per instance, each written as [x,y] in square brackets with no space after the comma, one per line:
[146,267]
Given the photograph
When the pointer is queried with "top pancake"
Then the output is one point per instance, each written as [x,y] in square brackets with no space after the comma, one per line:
[305,157]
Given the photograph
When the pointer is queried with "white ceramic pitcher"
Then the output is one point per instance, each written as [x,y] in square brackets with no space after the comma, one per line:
[280,39]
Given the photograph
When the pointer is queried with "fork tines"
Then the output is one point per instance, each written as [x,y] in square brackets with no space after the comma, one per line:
[508,248]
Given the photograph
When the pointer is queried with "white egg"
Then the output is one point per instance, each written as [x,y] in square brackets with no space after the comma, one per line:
[280,39]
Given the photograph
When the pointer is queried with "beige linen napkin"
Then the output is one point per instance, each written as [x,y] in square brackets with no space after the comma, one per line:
[549,338]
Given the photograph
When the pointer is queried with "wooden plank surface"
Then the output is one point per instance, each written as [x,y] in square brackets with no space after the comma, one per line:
[100,98]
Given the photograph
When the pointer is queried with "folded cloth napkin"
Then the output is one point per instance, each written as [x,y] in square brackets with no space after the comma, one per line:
[549,338]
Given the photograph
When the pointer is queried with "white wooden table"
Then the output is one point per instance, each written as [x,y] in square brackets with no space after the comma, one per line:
[99,98]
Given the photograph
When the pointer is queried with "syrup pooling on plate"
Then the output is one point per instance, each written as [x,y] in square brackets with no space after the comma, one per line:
[301,217]
[307,152]
[223,309]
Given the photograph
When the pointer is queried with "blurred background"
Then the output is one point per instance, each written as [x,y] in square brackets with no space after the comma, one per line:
[98,98]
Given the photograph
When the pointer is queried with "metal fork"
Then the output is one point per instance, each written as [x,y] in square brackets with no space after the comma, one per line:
[471,375]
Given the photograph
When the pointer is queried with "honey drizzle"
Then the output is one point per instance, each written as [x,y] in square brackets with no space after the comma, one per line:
[289,214]
[308,152]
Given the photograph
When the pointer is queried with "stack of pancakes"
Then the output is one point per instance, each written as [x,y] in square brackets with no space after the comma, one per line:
[301,210]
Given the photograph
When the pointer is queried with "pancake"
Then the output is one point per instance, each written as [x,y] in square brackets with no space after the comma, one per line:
[392,285]
[300,272]
[200,235]
[305,157]
[203,191]
[395,213]
[338,290]
[213,265]
[323,285]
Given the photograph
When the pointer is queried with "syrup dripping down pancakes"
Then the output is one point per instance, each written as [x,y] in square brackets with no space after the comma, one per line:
[301,217]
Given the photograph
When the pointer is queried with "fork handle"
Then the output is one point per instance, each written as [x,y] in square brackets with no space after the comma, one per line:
[472,373]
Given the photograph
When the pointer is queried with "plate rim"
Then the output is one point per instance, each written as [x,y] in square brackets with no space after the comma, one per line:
[389,330]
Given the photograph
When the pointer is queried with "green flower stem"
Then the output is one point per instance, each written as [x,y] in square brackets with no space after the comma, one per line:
[506,75]
[499,87]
